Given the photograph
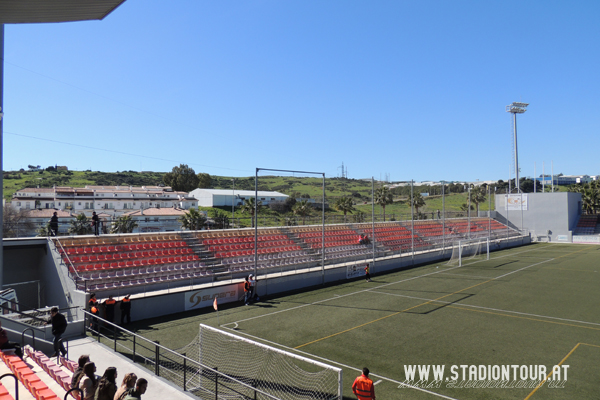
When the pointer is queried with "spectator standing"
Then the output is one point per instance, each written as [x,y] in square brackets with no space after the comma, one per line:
[125,307]
[59,326]
[95,223]
[140,388]
[367,273]
[95,310]
[92,300]
[83,359]
[88,381]
[6,345]
[128,384]
[109,308]
[363,387]
[247,291]
[253,294]
[107,386]
[54,224]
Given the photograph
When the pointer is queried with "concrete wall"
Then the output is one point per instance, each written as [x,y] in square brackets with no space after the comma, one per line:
[154,305]
[549,216]
[35,259]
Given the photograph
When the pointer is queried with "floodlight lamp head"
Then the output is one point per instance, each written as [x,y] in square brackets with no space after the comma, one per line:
[517,107]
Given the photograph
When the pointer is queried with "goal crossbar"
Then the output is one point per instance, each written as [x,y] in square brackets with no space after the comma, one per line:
[468,249]
[282,374]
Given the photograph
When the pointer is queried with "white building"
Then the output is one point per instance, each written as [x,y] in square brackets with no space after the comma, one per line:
[111,200]
[224,197]
[157,219]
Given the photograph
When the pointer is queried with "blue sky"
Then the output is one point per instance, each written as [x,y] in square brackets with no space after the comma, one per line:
[409,89]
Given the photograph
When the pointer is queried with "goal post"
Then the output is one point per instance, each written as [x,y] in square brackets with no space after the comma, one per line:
[252,365]
[469,249]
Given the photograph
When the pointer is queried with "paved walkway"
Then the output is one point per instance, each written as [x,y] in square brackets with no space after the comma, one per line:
[103,357]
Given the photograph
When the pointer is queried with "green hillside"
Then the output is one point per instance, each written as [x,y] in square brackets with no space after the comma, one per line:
[358,190]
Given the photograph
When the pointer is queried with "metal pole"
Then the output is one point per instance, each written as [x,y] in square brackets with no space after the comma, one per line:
[489,212]
[443,216]
[184,372]
[544,175]
[373,217]
[552,172]
[534,179]
[469,210]
[232,202]
[517,185]
[1,150]
[256,225]
[412,221]
[323,234]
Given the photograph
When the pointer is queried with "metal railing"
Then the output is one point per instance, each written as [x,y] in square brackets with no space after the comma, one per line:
[179,369]
[16,384]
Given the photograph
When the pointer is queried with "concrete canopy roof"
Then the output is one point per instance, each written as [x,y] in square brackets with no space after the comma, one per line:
[36,11]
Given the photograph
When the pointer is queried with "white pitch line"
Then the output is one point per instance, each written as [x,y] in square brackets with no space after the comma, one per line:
[370,289]
[326,360]
[378,382]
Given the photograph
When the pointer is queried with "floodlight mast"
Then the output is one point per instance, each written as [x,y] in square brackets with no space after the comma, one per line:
[516,108]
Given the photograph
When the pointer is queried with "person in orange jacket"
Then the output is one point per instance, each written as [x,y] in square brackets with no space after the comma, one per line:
[363,387]
[247,291]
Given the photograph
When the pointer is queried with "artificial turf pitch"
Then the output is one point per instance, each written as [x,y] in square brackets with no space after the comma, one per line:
[527,306]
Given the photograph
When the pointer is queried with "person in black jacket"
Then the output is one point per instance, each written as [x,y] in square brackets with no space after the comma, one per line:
[59,326]
[125,309]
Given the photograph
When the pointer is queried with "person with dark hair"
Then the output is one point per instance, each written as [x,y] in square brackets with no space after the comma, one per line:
[107,386]
[367,273]
[109,309]
[6,345]
[59,326]
[92,300]
[88,381]
[53,224]
[140,388]
[247,291]
[83,359]
[95,223]
[363,387]
[128,384]
[125,307]
[95,325]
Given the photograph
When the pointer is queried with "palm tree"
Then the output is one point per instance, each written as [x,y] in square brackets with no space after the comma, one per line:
[590,196]
[249,207]
[359,217]
[123,224]
[193,220]
[221,219]
[80,225]
[478,196]
[345,205]
[590,199]
[417,201]
[303,209]
[383,197]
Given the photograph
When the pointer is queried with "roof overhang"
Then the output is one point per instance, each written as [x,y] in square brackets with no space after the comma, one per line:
[40,11]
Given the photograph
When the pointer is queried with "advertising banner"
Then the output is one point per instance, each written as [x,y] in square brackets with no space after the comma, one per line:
[514,202]
[205,297]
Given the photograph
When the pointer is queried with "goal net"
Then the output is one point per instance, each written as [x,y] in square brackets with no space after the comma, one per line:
[470,249]
[250,370]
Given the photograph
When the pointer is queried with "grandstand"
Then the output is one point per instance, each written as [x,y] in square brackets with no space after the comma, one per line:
[144,263]
[177,271]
